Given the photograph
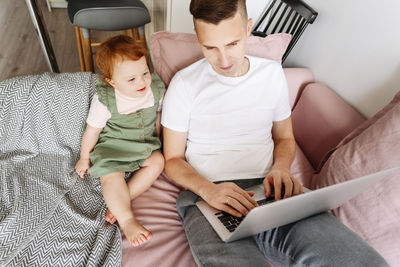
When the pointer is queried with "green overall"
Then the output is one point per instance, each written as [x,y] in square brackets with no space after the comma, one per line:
[127,139]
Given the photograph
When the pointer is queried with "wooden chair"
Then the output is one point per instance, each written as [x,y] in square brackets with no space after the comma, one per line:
[285,16]
[128,16]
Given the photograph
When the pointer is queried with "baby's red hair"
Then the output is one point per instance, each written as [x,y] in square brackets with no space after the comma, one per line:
[114,49]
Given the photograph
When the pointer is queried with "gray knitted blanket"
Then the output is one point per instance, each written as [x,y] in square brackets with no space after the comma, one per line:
[48,215]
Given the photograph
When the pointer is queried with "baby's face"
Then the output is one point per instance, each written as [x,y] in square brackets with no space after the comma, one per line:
[131,78]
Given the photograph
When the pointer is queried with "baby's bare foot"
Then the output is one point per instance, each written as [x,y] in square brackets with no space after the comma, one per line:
[135,232]
[110,217]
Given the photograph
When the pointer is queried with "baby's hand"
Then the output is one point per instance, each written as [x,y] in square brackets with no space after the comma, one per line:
[82,167]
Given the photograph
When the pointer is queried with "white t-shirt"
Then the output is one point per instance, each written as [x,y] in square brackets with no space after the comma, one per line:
[228,119]
[99,113]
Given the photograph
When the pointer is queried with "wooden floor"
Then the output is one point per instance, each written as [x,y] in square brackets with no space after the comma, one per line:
[20,51]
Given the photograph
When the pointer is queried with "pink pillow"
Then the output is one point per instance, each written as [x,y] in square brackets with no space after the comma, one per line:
[301,168]
[371,121]
[174,51]
[360,129]
[375,213]
[320,124]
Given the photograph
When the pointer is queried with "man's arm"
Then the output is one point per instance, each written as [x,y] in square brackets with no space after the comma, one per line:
[284,149]
[224,196]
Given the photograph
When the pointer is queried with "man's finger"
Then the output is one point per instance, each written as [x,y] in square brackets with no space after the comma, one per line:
[228,209]
[251,194]
[245,194]
[235,204]
[297,187]
[277,188]
[243,201]
[288,187]
[267,188]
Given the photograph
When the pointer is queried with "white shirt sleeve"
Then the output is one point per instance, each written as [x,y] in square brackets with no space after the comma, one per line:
[282,110]
[176,106]
[98,113]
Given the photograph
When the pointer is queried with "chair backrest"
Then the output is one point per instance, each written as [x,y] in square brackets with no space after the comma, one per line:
[285,16]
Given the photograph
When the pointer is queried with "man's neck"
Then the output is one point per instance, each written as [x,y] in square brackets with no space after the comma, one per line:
[244,68]
[241,69]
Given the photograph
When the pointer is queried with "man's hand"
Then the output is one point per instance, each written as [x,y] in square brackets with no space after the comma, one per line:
[229,197]
[82,167]
[276,178]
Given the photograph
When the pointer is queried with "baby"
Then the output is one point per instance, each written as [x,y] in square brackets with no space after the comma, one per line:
[123,132]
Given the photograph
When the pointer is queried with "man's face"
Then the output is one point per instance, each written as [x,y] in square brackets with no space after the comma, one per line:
[224,45]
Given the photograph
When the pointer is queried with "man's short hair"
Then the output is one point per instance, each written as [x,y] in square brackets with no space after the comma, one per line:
[214,11]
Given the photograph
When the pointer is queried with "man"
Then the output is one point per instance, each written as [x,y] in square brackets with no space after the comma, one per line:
[227,126]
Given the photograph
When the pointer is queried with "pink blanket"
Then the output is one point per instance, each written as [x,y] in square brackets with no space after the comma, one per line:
[156,210]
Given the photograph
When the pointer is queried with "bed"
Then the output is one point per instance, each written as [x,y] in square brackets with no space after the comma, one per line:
[51,217]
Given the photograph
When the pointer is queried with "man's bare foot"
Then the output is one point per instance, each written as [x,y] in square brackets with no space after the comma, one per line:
[135,232]
[110,217]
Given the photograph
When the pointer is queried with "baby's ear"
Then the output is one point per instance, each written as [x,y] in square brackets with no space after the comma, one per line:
[110,81]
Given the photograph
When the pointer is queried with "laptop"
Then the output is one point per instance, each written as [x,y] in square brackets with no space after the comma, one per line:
[270,214]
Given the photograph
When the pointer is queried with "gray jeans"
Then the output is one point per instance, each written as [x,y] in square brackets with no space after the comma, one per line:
[319,240]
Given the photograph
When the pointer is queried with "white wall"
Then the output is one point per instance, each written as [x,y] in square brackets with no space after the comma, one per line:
[180,18]
[354,48]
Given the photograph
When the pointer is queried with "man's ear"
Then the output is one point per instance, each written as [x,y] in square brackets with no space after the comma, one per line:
[249,26]
[194,26]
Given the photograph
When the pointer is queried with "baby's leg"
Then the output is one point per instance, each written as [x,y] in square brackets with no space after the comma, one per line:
[143,178]
[116,196]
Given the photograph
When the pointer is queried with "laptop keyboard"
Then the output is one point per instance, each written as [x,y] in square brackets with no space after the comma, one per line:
[231,222]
